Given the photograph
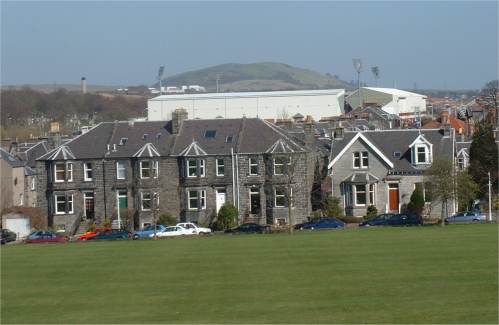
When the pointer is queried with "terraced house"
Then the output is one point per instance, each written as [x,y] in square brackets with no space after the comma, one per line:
[131,171]
[382,168]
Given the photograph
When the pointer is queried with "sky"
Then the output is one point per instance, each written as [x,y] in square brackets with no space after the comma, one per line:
[430,44]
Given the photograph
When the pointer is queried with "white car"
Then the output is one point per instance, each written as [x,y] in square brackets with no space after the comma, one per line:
[194,229]
[172,232]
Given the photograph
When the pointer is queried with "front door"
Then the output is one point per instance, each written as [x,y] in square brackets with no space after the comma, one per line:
[88,198]
[393,197]
[255,201]
[220,198]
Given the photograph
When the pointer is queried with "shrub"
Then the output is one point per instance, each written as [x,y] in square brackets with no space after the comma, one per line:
[167,219]
[416,204]
[331,207]
[106,223]
[226,216]
[92,227]
[372,212]
[316,215]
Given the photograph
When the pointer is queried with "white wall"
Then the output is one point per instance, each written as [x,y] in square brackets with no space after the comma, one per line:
[263,106]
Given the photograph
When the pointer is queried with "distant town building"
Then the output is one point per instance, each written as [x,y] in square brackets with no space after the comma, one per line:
[265,105]
[406,105]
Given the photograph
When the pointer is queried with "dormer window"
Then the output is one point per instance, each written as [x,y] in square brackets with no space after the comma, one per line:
[123,141]
[421,151]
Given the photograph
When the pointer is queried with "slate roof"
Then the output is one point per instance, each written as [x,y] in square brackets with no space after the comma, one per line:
[390,141]
[29,152]
[149,138]
[10,159]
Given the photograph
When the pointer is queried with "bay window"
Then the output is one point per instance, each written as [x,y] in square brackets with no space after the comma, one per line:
[63,204]
[196,199]
[360,194]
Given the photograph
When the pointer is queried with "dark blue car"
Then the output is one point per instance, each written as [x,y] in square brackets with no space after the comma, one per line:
[381,220]
[322,223]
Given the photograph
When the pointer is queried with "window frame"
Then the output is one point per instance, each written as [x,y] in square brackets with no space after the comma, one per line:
[57,180]
[142,169]
[218,166]
[142,200]
[195,167]
[251,165]
[86,170]
[118,168]
[281,165]
[372,194]
[357,192]
[360,158]
[199,198]
[426,153]
[69,172]
[280,196]
[67,199]
[33,183]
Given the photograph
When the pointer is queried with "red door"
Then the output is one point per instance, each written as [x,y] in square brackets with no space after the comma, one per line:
[393,197]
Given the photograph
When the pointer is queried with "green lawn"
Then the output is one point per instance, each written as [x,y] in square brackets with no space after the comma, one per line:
[384,275]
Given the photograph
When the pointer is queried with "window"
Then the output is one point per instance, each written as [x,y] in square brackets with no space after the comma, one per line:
[145,201]
[87,171]
[460,163]
[196,199]
[123,141]
[155,168]
[210,134]
[69,172]
[397,154]
[145,169]
[279,165]
[372,194]
[360,194]
[201,168]
[253,166]
[229,138]
[280,197]
[63,204]
[360,159]
[220,167]
[60,172]
[33,183]
[120,170]
[421,154]
[196,167]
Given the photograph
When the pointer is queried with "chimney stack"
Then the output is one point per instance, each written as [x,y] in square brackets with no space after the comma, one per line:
[83,85]
[178,117]
[308,128]
[338,133]
[444,118]
[284,123]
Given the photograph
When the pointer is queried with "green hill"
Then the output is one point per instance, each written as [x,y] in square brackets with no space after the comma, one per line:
[256,77]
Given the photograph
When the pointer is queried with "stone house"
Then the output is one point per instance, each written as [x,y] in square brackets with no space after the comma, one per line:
[189,168]
[382,168]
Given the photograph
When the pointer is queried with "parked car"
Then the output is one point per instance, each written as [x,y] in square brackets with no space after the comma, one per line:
[194,229]
[148,231]
[468,216]
[173,231]
[112,234]
[381,220]
[322,223]
[7,236]
[249,228]
[405,219]
[93,233]
[39,237]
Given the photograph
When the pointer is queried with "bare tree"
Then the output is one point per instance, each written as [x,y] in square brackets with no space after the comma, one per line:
[440,180]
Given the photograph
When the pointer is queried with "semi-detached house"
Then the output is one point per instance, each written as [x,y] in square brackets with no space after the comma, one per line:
[189,168]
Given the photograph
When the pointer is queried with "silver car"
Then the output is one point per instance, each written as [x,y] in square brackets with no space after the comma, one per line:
[469,216]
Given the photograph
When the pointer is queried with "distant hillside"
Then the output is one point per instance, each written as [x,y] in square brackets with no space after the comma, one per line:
[256,77]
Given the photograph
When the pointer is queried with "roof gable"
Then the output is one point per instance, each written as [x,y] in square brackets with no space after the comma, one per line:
[148,150]
[193,150]
[60,153]
[420,139]
[366,141]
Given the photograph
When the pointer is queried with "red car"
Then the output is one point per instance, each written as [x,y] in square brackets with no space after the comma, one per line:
[39,237]
[90,234]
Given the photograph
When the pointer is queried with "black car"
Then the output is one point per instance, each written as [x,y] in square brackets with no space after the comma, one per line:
[405,219]
[7,236]
[381,220]
[248,228]
[321,223]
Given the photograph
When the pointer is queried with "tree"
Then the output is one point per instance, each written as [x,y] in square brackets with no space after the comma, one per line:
[466,190]
[226,216]
[167,219]
[416,204]
[441,183]
[483,157]
[331,207]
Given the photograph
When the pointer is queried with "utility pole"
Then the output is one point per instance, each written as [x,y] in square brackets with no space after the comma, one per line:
[490,198]
[218,81]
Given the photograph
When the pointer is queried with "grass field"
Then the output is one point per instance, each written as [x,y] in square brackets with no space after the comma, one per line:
[384,275]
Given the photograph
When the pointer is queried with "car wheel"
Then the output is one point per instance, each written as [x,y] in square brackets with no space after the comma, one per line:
[135,237]
[311,228]
[475,221]
[301,228]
